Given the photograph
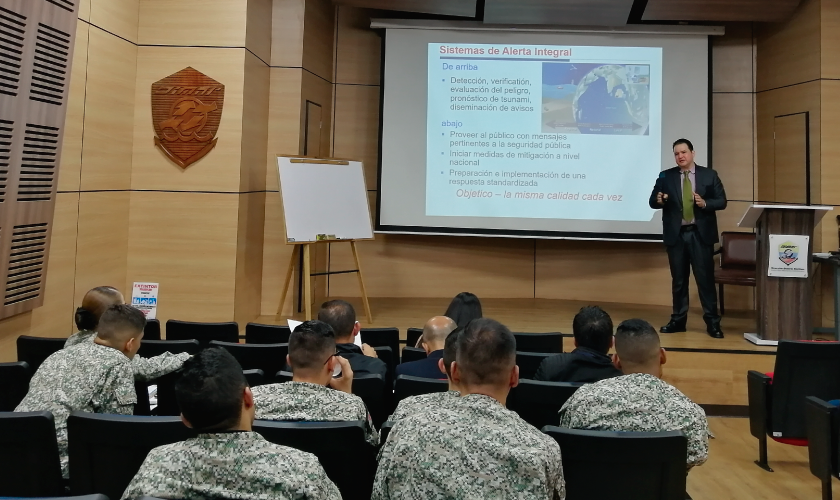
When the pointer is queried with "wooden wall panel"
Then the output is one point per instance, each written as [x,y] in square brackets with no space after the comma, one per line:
[219,170]
[829,148]
[318,38]
[356,133]
[109,115]
[788,53]
[119,17]
[102,242]
[319,91]
[284,119]
[358,48]
[255,114]
[733,59]
[71,149]
[276,255]
[84,10]
[287,33]
[187,242]
[830,39]
[732,140]
[249,256]
[192,23]
[258,30]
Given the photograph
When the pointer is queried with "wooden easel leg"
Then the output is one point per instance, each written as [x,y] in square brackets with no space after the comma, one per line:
[288,279]
[307,283]
[361,282]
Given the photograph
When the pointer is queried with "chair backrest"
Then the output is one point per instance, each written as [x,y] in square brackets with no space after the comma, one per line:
[349,461]
[202,332]
[29,456]
[737,250]
[385,431]
[823,430]
[539,342]
[270,358]
[390,359]
[802,369]
[638,465]
[167,402]
[412,335]
[407,386]
[282,376]
[257,333]
[106,451]
[410,354]
[34,350]
[152,330]
[254,377]
[152,348]
[371,388]
[14,383]
[529,362]
[382,337]
[538,403]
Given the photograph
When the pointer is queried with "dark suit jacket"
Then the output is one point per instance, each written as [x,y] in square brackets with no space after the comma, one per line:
[361,364]
[707,184]
[581,365]
[426,368]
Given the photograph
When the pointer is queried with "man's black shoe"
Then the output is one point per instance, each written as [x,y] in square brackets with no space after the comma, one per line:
[714,331]
[672,327]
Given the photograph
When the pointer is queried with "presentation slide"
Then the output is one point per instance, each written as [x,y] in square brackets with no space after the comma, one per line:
[543,131]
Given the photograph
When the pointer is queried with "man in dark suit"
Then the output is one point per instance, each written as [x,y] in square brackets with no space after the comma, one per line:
[689,195]
[434,336]
[589,362]
[341,316]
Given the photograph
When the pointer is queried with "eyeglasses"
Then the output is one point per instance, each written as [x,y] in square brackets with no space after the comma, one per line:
[331,356]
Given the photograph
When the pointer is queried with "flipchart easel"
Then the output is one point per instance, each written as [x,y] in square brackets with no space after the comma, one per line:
[324,201]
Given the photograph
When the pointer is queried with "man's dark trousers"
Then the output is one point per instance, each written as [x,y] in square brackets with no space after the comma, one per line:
[689,250]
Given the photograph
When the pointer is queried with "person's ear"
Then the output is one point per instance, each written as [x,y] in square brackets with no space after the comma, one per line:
[662,356]
[331,364]
[357,327]
[186,422]
[575,341]
[456,372]
[514,376]
[248,397]
[441,366]
[612,342]
[289,361]
[616,361]
[426,348]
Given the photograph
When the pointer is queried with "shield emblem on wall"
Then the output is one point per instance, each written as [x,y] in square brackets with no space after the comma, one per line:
[186,112]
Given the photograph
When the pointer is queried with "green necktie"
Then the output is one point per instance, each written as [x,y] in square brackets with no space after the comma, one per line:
[688,198]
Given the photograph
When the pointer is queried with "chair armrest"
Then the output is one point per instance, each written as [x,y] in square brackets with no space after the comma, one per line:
[760,397]
[822,437]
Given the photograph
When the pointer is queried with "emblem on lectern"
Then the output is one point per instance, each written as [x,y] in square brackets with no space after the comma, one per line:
[788,253]
[186,112]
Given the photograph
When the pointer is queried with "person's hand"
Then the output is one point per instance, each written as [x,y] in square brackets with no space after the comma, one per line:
[661,198]
[344,383]
[700,202]
[369,351]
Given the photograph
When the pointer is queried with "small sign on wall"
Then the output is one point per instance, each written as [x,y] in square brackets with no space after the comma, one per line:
[144,297]
[789,256]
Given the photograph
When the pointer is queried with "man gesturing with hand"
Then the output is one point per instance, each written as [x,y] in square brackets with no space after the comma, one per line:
[689,195]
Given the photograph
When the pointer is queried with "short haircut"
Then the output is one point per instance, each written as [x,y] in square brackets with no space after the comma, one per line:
[340,315]
[311,344]
[437,329]
[450,349]
[464,308]
[683,141]
[637,342]
[486,352]
[210,390]
[593,329]
[94,304]
[120,322]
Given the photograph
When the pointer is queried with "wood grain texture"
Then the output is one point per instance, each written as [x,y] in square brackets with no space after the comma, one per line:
[102,242]
[318,91]
[71,149]
[733,133]
[108,114]
[358,48]
[187,242]
[733,59]
[790,150]
[356,133]
[829,39]
[255,111]
[190,23]
[249,256]
[287,33]
[276,256]
[789,53]
[829,177]
[84,10]
[319,38]
[566,12]
[258,29]
[55,317]
[119,17]
[462,8]
[220,169]
[717,378]
[285,116]
[719,10]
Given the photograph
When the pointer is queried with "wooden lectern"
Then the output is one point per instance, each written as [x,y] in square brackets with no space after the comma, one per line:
[783,304]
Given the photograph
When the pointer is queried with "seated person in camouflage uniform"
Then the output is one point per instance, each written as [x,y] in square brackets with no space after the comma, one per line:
[314,394]
[434,336]
[413,405]
[638,401]
[95,302]
[472,447]
[95,377]
[227,459]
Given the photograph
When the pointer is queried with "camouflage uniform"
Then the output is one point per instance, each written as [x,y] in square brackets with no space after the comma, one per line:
[638,403]
[416,404]
[241,465]
[145,369]
[311,402]
[472,448]
[86,377]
